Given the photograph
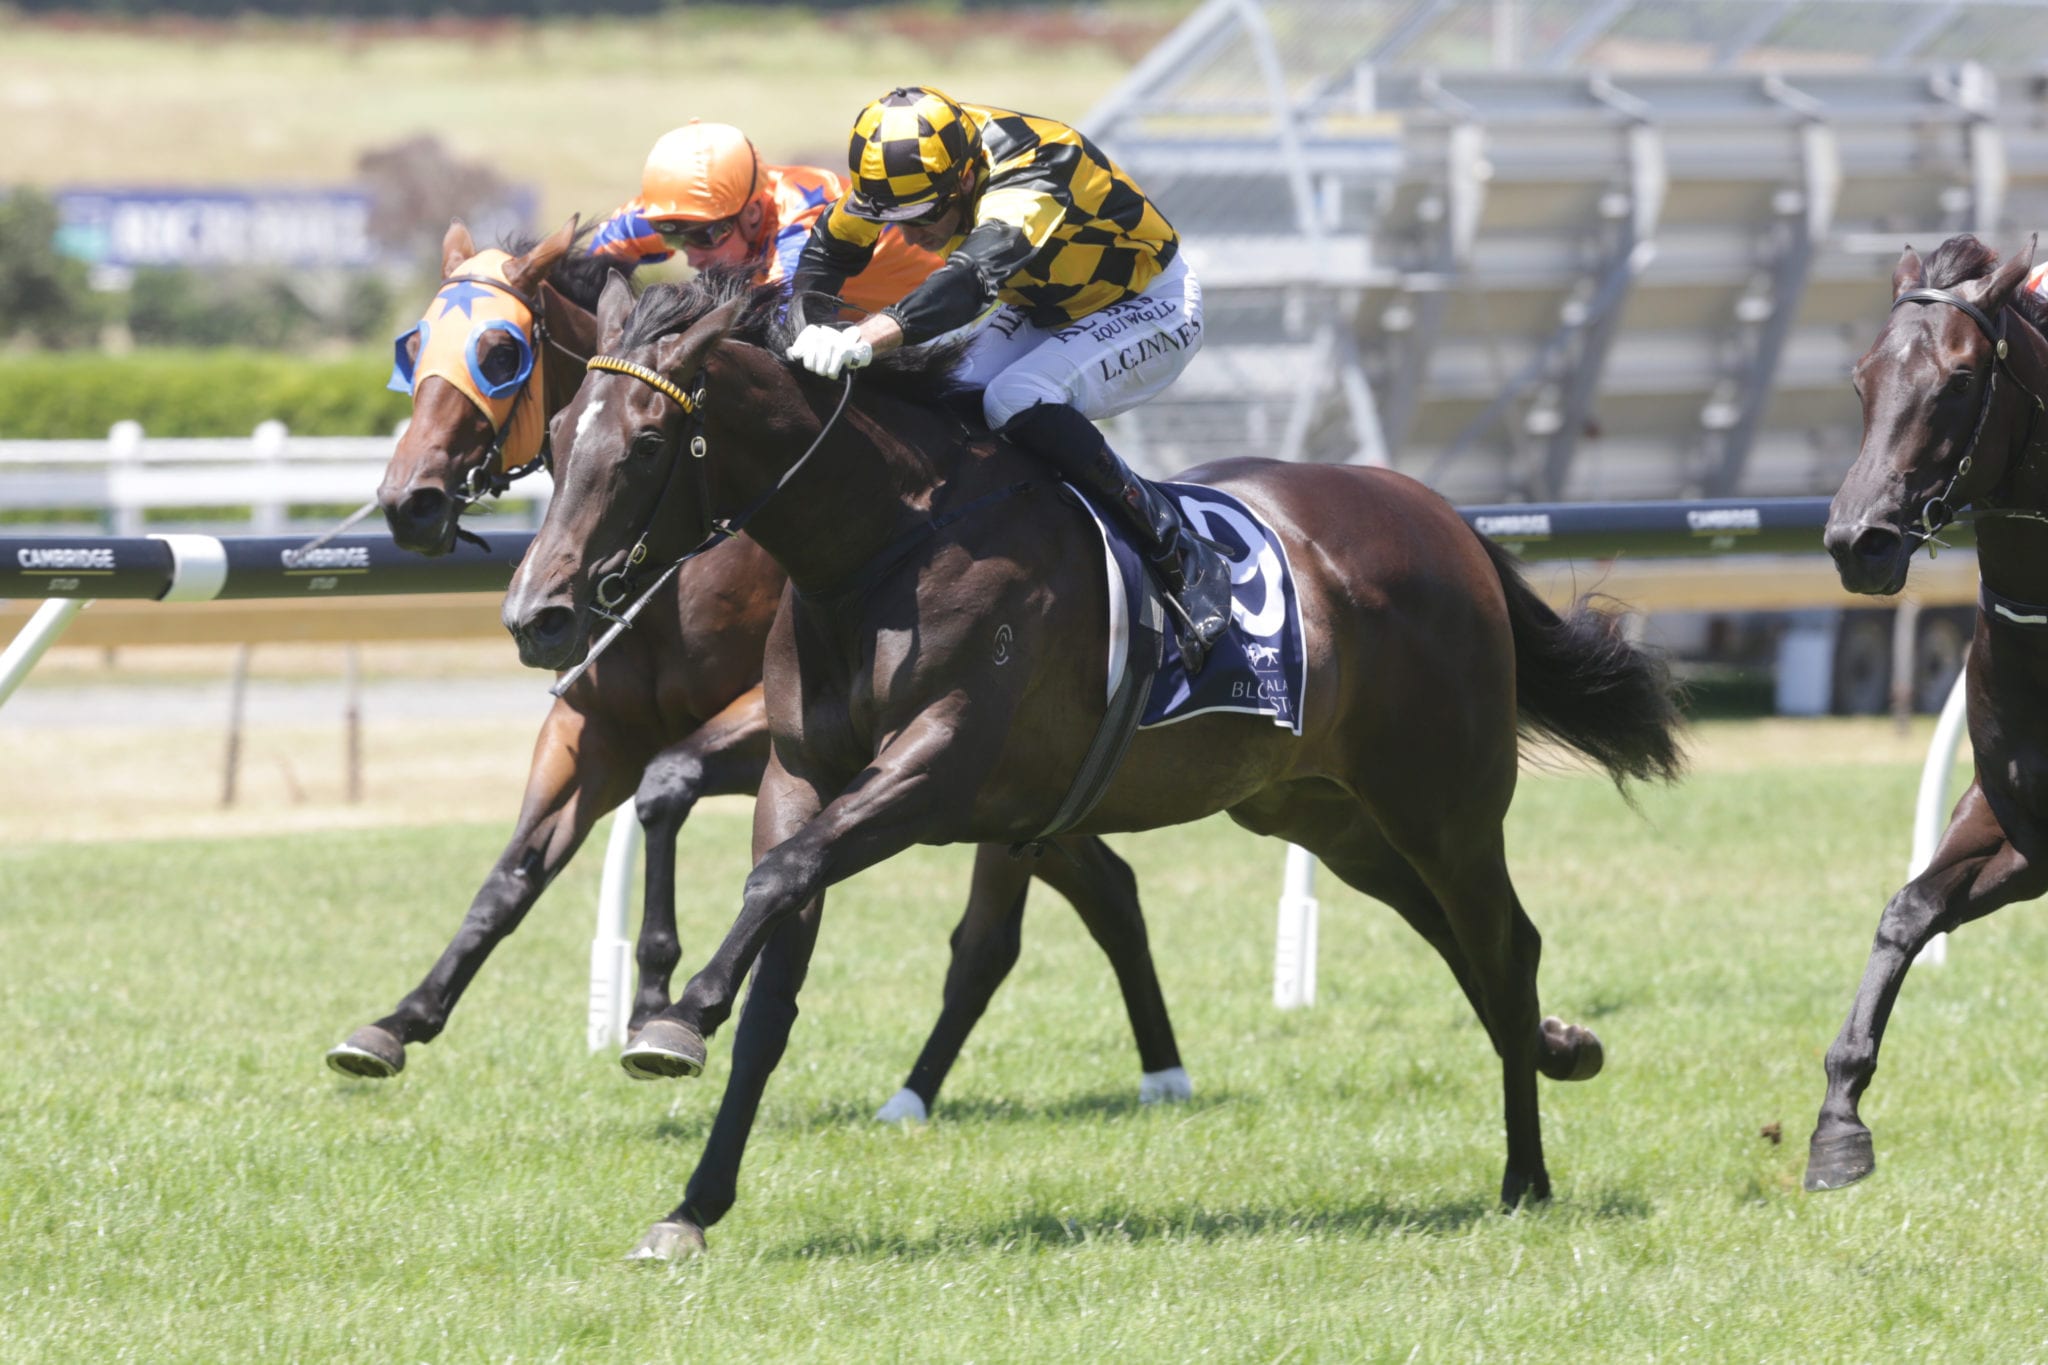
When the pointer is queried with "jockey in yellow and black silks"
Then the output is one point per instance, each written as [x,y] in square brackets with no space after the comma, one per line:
[1094,309]
[705,192]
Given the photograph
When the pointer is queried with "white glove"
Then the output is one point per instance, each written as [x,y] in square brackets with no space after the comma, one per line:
[828,350]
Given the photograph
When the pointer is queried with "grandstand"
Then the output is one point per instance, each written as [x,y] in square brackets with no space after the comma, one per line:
[1536,250]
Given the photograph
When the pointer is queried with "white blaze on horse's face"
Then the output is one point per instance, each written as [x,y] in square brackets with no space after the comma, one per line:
[583,423]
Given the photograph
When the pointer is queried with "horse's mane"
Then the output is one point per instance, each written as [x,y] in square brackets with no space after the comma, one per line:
[922,374]
[1962,258]
[578,276]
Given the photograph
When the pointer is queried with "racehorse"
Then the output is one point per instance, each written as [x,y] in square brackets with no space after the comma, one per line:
[1945,440]
[675,706]
[933,677]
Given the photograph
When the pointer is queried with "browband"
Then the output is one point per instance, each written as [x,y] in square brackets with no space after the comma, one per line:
[651,378]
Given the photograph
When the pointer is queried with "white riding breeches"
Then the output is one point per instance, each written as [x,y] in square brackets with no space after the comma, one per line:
[1108,362]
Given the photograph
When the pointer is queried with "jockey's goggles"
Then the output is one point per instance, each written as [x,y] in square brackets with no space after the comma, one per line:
[908,215]
[478,336]
[700,236]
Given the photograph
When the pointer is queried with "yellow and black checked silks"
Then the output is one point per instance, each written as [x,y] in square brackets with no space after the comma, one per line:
[1056,228]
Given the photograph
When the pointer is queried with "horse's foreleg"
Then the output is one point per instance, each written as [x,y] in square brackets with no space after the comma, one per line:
[722,757]
[786,806]
[757,1049]
[985,945]
[1974,871]
[887,807]
[576,777]
[1105,894]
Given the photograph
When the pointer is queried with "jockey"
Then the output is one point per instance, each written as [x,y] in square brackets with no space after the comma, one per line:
[706,193]
[1095,312]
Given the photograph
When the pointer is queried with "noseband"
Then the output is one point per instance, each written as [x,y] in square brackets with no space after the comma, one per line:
[614,588]
[1940,510]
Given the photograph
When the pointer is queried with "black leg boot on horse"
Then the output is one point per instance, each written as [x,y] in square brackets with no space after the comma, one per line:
[1190,571]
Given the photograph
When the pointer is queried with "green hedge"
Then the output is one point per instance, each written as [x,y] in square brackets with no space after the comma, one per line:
[195,393]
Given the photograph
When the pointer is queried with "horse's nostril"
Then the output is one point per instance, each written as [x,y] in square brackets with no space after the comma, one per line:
[425,507]
[1877,543]
[550,626]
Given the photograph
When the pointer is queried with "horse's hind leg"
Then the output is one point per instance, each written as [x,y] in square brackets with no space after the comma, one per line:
[1974,871]
[1469,878]
[985,945]
[722,757]
[1103,891]
[1463,904]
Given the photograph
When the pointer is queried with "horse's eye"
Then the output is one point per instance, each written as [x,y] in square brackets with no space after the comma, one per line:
[646,445]
[499,363]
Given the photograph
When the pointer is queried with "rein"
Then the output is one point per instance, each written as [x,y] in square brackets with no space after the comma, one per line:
[615,587]
[1940,510]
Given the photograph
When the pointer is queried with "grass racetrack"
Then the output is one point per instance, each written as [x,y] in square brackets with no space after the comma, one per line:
[182,1180]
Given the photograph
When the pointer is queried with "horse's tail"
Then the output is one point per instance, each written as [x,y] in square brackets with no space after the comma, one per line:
[1579,681]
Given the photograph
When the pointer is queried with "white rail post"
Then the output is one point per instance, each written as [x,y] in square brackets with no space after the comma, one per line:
[1930,809]
[611,952]
[268,515]
[38,635]
[124,471]
[1294,952]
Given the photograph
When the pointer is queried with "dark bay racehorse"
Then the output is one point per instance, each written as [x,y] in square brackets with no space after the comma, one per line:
[1953,428]
[675,707]
[915,544]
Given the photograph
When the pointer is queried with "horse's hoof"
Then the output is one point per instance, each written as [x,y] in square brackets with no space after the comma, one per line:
[669,1241]
[905,1106]
[1171,1086]
[1834,1162]
[1523,1192]
[370,1052]
[663,1051]
[1581,1044]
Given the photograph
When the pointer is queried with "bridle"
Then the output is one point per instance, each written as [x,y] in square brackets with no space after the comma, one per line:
[1941,509]
[486,479]
[615,587]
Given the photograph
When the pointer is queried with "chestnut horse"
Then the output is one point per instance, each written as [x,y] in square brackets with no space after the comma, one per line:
[936,674]
[672,714]
[1953,429]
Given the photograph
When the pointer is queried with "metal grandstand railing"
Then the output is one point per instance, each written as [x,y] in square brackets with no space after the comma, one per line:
[1534,249]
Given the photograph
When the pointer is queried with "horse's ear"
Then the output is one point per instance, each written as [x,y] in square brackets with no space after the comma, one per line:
[614,306]
[677,354]
[2006,280]
[1908,274]
[525,273]
[456,247]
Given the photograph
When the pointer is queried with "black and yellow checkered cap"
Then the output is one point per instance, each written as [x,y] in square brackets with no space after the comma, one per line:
[906,153]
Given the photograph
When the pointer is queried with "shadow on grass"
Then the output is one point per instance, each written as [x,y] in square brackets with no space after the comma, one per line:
[695,1126]
[1104,1104]
[1124,1226]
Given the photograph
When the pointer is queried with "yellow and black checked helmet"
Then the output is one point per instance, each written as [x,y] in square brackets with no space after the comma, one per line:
[907,151]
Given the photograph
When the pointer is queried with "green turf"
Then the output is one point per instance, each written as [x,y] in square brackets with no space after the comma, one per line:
[181,1180]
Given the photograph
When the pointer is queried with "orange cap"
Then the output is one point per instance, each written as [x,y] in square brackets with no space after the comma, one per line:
[701,171]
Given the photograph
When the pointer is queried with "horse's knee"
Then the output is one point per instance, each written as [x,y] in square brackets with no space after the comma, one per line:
[783,880]
[668,788]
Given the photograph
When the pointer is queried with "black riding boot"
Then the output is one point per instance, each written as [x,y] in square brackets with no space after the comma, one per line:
[1192,572]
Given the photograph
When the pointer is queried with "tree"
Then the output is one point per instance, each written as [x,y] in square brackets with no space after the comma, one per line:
[43,294]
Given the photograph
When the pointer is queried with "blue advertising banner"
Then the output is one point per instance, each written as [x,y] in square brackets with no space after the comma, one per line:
[216,227]
[323,228]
